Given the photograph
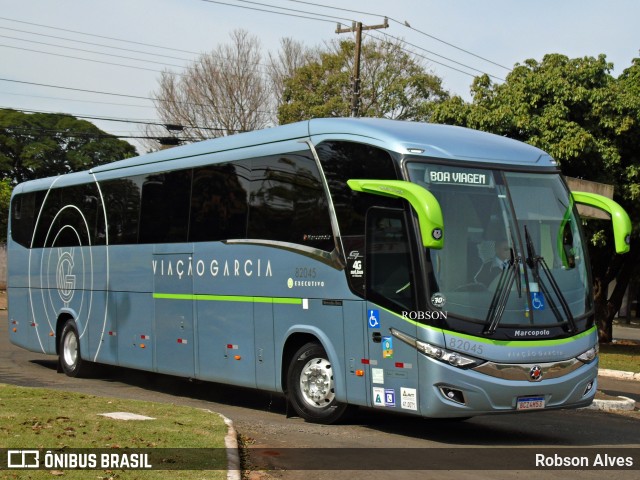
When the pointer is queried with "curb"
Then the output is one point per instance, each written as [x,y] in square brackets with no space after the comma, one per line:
[625,403]
[619,374]
[233,451]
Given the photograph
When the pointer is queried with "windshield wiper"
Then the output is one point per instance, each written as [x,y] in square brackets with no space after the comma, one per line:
[534,261]
[501,295]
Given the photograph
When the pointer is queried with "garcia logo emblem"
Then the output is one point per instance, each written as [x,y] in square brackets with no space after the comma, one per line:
[65,279]
[535,374]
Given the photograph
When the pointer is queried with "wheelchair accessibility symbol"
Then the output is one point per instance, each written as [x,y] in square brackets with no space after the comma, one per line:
[374,318]
[537,300]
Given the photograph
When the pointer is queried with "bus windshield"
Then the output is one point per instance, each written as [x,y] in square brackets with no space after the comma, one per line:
[513,253]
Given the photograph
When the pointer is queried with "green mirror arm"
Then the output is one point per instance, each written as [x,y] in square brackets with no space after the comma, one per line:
[423,202]
[619,218]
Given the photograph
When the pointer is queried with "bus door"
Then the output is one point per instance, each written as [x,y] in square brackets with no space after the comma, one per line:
[173,337]
[390,292]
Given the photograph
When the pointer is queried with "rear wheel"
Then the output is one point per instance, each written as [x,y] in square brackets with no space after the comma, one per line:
[311,387]
[69,351]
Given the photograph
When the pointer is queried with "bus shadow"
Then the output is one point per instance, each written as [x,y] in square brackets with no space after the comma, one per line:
[557,428]
[569,428]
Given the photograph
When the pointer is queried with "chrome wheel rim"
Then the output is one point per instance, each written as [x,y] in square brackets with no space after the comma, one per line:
[70,349]
[316,383]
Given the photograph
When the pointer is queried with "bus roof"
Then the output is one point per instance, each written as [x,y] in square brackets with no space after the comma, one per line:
[435,140]
[404,137]
[440,141]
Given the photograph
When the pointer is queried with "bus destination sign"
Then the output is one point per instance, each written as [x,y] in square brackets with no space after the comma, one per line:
[460,177]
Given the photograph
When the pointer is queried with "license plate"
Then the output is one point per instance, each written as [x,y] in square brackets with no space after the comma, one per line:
[530,403]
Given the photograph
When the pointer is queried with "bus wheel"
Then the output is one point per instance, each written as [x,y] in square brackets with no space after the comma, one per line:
[311,389]
[69,351]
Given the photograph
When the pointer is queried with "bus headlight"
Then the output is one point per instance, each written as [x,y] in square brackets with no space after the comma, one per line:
[435,352]
[590,355]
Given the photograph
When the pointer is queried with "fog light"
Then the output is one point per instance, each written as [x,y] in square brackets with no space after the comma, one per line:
[453,394]
[588,388]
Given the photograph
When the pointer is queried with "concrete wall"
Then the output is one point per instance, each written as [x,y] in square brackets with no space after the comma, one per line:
[3,266]
[580,185]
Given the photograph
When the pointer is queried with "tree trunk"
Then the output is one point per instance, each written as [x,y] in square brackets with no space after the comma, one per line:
[606,308]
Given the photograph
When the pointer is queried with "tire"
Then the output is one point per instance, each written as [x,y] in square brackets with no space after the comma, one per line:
[311,388]
[69,352]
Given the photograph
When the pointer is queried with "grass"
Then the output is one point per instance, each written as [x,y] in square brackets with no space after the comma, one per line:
[623,355]
[35,418]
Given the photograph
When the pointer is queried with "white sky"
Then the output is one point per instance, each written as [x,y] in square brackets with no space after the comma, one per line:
[504,31]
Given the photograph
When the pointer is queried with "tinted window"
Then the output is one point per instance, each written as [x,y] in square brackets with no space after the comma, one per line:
[389,274]
[123,209]
[219,198]
[342,161]
[288,202]
[70,216]
[23,209]
[164,213]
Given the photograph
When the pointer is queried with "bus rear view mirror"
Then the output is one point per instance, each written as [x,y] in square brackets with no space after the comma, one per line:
[619,218]
[423,202]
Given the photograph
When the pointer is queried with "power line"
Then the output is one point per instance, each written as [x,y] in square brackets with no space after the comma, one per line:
[76,100]
[295,10]
[84,59]
[407,25]
[438,55]
[94,44]
[33,130]
[269,11]
[372,14]
[119,120]
[88,51]
[99,36]
[114,94]
[78,89]
[220,57]
[427,58]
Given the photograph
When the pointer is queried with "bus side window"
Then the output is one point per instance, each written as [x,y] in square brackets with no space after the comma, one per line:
[288,202]
[164,212]
[219,197]
[388,260]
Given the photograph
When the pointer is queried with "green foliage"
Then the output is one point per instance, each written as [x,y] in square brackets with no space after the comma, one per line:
[5,198]
[41,144]
[393,85]
[572,108]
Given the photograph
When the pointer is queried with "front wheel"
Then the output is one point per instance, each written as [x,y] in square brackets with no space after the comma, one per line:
[311,387]
[69,351]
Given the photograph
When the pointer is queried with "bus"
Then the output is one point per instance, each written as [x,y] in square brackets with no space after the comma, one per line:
[335,261]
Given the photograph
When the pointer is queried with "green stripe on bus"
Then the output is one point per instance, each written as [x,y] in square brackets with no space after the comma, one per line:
[227,298]
[502,343]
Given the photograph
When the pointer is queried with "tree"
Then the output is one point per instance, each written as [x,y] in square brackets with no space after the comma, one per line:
[221,93]
[44,144]
[393,85]
[283,65]
[589,122]
[5,197]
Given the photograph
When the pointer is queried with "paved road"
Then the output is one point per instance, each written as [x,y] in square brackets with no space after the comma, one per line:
[622,332]
[261,419]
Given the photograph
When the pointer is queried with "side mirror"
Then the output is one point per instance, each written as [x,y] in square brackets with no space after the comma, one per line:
[619,218]
[423,202]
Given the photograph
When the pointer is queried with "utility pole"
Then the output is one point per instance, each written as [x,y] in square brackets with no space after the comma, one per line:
[357,27]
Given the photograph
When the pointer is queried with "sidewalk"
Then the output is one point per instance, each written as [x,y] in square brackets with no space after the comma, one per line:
[621,331]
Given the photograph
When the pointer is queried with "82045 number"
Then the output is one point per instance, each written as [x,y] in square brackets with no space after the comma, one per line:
[465,346]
